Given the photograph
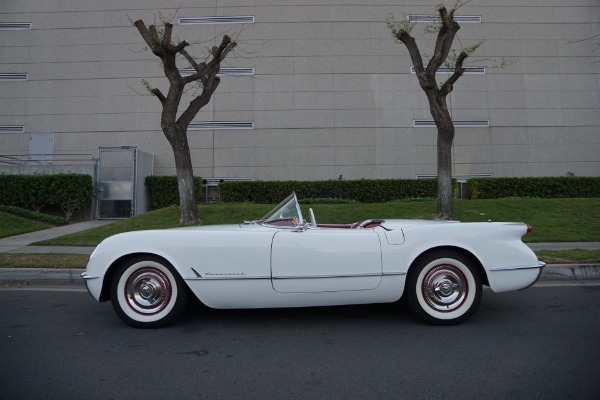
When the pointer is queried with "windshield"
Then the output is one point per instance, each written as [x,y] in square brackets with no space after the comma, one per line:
[286,213]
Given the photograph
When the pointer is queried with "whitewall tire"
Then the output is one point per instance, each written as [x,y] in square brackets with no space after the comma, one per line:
[444,288]
[147,292]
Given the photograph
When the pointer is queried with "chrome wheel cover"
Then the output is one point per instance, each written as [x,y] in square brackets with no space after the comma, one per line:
[445,288]
[148,291]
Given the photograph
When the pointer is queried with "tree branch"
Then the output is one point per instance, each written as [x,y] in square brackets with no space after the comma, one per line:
[219,53]
[415,56]
[179,47]
[206,72]
[159,94]
[166,39]
[149,36]
[196,105]
[444,39]
[584,39]
[458,72]
[199,68]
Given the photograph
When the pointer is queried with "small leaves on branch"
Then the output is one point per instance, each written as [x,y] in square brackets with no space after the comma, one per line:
[395,27]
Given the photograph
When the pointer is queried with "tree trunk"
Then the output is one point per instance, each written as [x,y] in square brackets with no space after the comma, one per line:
[445,138]
[188,208]
[444,173]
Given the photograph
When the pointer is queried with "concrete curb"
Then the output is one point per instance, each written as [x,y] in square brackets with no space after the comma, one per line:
[570,272]
[41,276]
[71,277]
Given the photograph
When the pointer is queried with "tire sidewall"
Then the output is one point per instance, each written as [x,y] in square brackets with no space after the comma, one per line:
[134,318]
[416,299]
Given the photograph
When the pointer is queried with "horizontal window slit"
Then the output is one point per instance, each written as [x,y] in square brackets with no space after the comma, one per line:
[246,19]
[220,125]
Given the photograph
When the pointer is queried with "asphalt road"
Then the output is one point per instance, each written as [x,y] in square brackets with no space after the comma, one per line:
[541,343]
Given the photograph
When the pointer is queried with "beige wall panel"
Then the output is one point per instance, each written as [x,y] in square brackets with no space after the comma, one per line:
[332,92]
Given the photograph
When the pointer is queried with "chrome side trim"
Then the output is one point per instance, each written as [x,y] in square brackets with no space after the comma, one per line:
[226,278]
[234,276]
[540,265]
[87,277]
[394,273]
[328,276]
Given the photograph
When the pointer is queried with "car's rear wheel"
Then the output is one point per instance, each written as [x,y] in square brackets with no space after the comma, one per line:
[147,292]
[444,288]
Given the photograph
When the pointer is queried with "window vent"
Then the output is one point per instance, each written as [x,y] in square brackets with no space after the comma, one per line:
[224,71]
[12,129]
[247,19]
[14,26]
[465,19]
[220,125]
[464,123]
[457,177]
[14,77]
[446,70]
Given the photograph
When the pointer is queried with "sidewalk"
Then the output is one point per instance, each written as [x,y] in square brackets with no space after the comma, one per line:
[37,276]
[20,243]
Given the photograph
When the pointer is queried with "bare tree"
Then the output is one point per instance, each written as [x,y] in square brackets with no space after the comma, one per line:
[437,93]
[160,42]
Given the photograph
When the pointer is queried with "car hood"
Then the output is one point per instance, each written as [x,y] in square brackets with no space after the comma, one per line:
[394,224]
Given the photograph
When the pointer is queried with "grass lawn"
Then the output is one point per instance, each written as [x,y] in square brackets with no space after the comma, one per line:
[569,256]
[553,220]
[11,225]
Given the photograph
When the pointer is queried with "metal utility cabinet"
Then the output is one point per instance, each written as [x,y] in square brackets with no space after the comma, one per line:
[120,189]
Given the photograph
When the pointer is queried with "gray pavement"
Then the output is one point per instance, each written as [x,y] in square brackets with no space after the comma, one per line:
[37,276]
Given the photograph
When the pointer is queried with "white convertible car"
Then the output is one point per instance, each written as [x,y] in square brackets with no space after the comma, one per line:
[282,260]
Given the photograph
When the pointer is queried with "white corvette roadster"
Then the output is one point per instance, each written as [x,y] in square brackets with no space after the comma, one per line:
[282,260]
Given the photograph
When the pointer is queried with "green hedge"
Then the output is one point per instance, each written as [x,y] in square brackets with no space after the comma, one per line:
[164,191]
[544,187]
[51,219]
[364,190]
[69,192]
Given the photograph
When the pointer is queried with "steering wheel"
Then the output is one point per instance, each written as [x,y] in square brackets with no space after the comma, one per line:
[313,221]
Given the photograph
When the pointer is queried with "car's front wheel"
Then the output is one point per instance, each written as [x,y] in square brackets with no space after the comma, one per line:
[147,292]
[444,288]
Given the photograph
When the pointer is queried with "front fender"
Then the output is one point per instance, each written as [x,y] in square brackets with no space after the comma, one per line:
[190,252]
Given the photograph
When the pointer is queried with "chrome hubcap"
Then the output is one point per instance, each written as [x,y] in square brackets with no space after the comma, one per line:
[148,291]
[444,288]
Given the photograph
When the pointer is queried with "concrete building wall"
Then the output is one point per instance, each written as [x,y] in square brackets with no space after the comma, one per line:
[332,93]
